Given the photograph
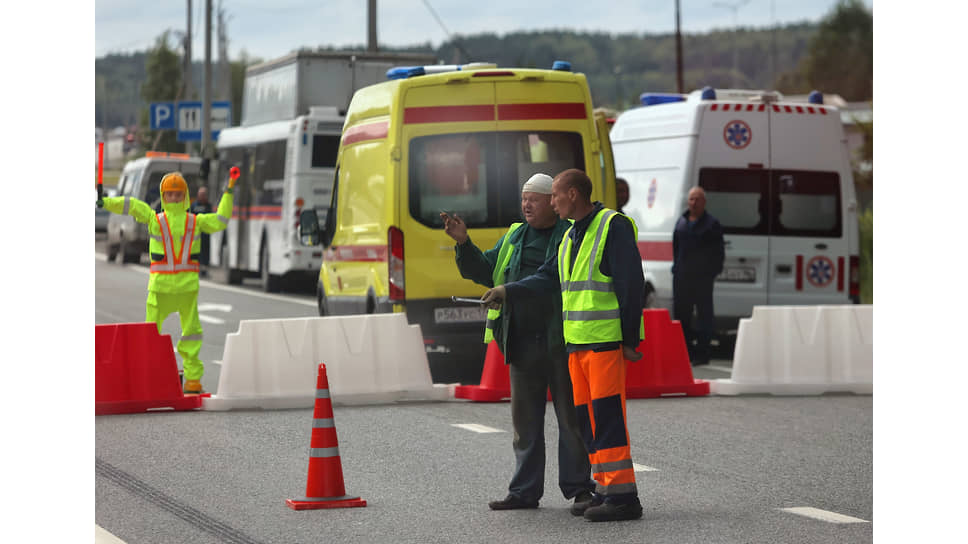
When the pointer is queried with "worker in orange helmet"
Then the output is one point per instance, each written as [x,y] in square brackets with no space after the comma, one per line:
[174,244]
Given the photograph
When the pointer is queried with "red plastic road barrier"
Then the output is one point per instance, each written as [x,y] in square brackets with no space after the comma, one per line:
[495,384]
[324,483]
[135,371]
[664,370]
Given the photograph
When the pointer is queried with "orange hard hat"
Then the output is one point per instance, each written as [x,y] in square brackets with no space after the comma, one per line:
[173,182]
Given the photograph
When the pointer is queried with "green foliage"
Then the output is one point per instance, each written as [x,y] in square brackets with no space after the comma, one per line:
[163,80]
[840,57]
[866,226]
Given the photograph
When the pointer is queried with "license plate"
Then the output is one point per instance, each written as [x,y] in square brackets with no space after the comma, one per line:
[460,314]
[741,274]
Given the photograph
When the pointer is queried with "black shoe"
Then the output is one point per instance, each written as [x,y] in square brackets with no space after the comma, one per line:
[583,501]
[512,502]
[614,512]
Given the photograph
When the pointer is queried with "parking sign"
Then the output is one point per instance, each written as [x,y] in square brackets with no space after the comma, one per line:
[162,116]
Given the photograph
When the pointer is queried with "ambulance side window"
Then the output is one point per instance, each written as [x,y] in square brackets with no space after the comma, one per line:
[739,198]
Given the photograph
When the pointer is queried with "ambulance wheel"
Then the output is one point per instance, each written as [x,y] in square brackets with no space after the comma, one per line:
[321,303]
[270,282]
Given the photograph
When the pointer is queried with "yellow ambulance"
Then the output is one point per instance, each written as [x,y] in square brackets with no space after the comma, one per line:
[460,139]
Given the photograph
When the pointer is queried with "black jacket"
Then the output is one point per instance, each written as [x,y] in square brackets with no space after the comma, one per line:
[697,250]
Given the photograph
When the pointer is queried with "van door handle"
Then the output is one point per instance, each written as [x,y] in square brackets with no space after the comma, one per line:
[821,246]
[784,268]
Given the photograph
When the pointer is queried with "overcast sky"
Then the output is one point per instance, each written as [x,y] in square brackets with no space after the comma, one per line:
[272,29]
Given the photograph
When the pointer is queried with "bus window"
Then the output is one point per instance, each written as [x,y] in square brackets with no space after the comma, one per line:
[325,147]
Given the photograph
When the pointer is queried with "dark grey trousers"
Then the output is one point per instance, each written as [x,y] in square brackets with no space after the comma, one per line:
[532,372]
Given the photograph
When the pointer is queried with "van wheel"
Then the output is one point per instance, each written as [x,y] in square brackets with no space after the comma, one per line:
[321,303]
[230,275]
[112,251]
[270,282]
[126,255]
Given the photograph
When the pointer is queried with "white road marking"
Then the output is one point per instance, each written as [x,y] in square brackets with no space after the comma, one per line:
[103,537]
[477,428]
[822,515]
[206,306]
[643,468]
[209,319]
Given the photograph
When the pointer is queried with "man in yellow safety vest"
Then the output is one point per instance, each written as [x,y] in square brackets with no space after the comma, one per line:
[173,246]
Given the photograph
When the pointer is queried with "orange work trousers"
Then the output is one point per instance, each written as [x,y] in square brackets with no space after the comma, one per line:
[598,381]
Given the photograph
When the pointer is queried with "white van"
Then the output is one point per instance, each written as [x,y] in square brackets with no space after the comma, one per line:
[777,175]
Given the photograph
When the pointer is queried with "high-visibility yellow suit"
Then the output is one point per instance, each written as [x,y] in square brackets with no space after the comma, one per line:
[173,246]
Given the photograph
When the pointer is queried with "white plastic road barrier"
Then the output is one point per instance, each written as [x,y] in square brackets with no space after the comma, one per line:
[370,359]
[803,350]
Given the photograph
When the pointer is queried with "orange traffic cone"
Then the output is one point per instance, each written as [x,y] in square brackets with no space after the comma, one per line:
[495,383]
[324,485]
[664,371]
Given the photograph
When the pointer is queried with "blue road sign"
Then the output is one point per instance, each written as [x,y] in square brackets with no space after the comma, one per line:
[189,120]
[162,116]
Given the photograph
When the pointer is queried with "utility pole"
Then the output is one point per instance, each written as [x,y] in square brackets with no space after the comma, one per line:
[206,151]
[735,7]
[187,67]
[224,87]
[679,85]
[371,43]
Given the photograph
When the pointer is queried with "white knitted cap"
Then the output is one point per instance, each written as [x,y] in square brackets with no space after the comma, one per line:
[538,183]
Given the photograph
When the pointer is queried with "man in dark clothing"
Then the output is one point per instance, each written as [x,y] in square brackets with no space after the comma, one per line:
[597,274]
[697,258]
[530,337]
[202,205]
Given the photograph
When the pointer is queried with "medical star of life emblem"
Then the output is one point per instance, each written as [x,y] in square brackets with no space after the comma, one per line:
[820,271]
[737,134]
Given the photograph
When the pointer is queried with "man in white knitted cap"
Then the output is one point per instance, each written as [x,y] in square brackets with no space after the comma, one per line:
[531,339]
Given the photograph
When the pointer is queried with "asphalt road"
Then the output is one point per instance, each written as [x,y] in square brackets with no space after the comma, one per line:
[709,469]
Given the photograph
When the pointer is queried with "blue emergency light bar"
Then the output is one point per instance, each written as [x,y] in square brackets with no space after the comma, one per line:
[404,72]
[816,97]
[651,99]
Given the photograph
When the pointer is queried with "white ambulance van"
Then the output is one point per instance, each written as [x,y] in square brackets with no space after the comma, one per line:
[777,175]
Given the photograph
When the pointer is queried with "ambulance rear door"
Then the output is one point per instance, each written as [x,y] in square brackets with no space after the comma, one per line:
[731,164]
[808,242]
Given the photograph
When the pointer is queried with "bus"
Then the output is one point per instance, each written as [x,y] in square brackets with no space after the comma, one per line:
[287,167]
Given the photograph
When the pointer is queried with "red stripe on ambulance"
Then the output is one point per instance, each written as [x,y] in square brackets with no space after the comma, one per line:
[448,114]
[551,110]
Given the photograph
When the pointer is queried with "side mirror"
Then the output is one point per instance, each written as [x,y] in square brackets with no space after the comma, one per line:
[309,231]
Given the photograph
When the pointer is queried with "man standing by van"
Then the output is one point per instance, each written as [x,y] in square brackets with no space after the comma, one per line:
[697,258]
[598,273]
[173,247]
[530,338]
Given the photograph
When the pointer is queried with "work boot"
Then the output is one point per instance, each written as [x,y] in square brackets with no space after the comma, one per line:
[583,501]
[512,502]
[614,512]
[192,387]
